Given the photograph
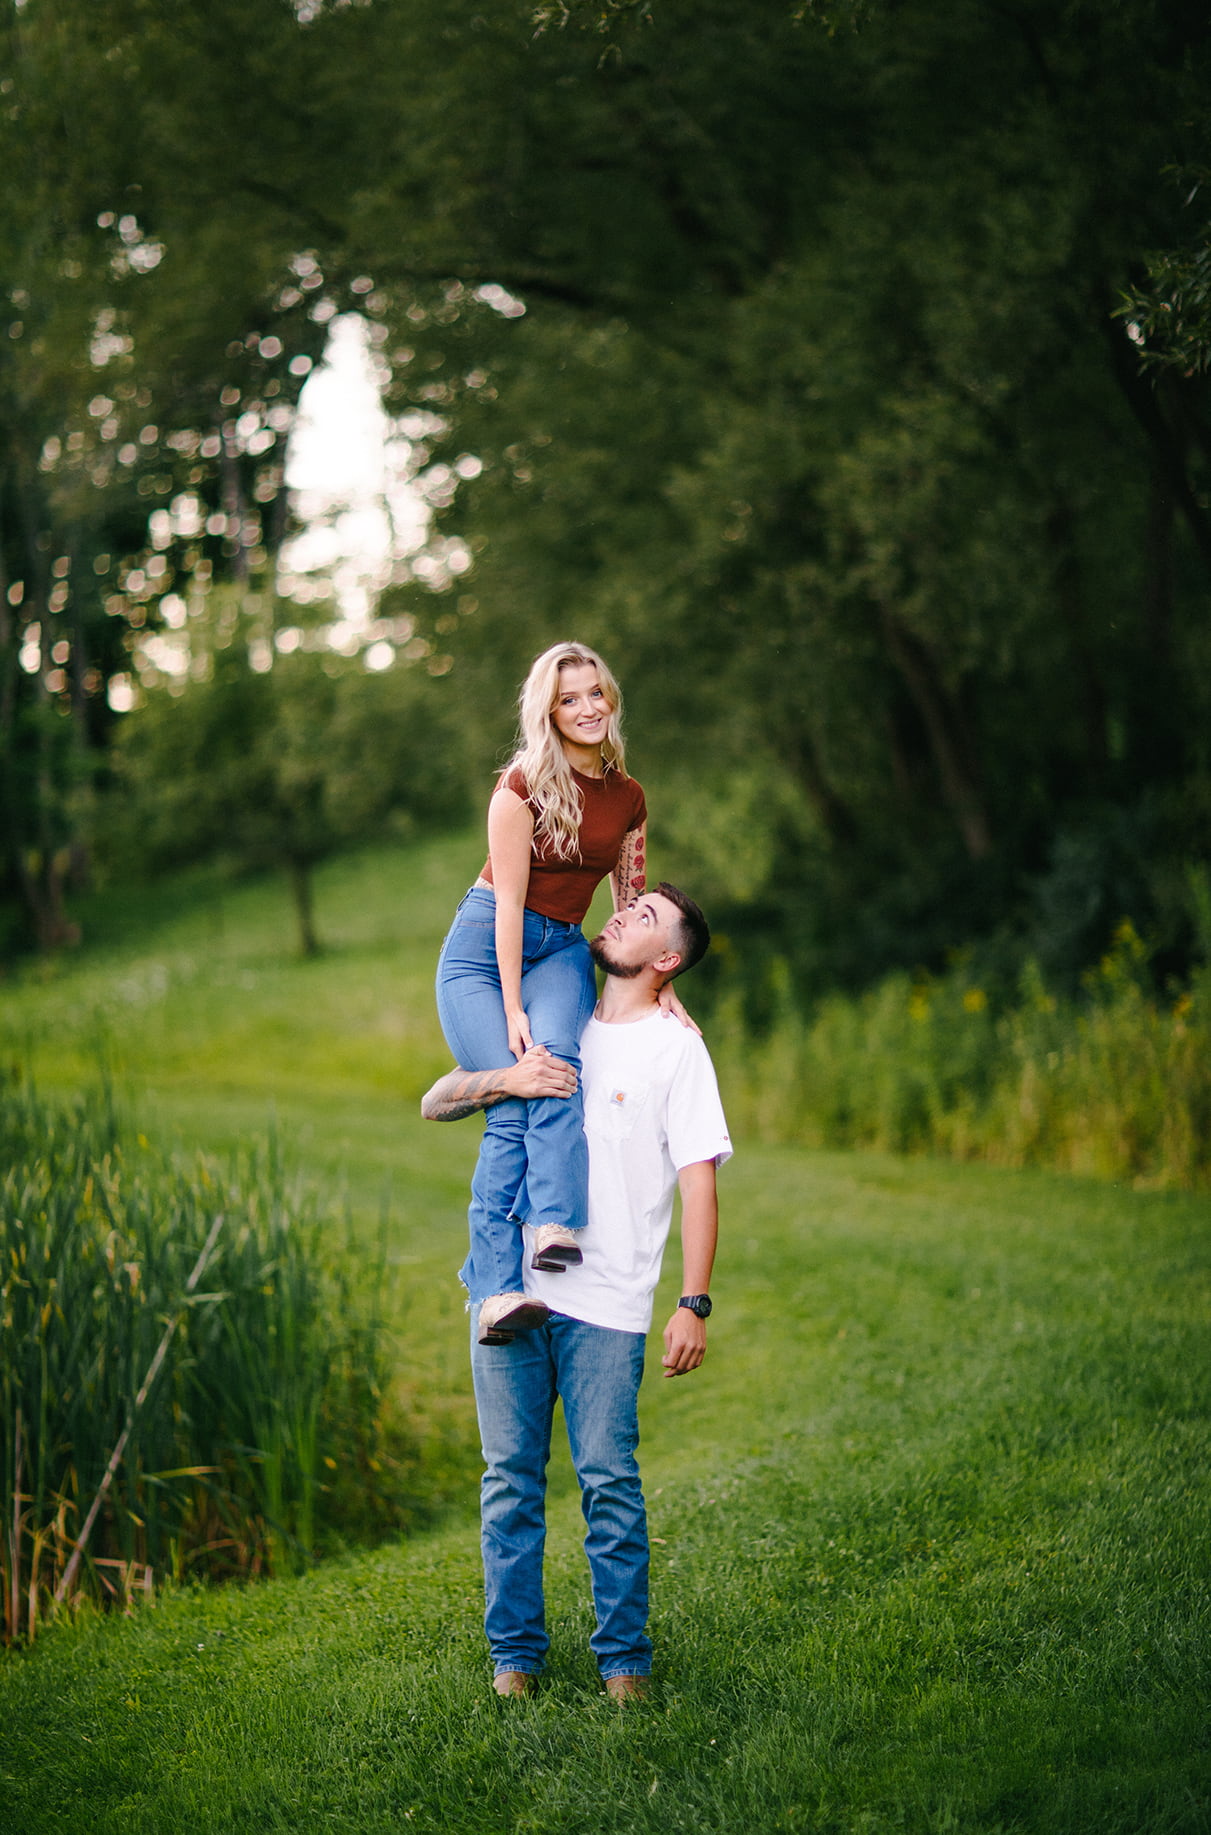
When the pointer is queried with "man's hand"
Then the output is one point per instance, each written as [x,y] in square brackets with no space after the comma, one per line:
[684,1342]
[685,1333]
[465,1092]
[537,1073]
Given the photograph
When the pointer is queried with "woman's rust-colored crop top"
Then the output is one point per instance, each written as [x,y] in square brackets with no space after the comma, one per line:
[613,805]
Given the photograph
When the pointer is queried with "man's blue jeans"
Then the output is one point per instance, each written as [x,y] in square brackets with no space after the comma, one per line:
[596,1373]
[539,1146]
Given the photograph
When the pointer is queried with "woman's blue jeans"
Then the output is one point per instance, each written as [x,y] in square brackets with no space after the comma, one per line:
[532,1153]
[596,1374]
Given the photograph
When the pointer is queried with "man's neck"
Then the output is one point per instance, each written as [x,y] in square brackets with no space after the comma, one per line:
[623,1001]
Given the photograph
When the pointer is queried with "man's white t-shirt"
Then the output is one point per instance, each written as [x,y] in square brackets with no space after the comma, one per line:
[651,1107]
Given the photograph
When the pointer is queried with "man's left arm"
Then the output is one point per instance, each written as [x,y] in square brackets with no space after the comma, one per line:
[466,1092]
[685,1333]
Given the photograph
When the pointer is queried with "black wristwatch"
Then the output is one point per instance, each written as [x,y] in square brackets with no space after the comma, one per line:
[697,1303]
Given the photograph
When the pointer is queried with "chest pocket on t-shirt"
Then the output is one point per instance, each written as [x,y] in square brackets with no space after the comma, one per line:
[614,1108]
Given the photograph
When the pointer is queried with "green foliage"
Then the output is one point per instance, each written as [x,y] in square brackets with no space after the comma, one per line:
[1169,316]
[1114,1084]
[155,352]
[283,767]
[830,508]
[591,15]
[785,338]
[806,399]
[253,1401]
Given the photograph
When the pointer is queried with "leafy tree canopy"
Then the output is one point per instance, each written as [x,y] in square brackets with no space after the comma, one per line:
[777,348]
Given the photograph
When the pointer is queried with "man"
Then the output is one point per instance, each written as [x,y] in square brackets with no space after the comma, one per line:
[654,1122]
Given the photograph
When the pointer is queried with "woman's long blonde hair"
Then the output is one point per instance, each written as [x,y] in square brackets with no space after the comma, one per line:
[540,757]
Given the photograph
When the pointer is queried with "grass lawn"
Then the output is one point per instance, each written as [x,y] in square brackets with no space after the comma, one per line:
[930,1525]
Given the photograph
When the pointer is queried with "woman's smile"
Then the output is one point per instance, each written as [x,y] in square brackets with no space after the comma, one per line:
[581,714]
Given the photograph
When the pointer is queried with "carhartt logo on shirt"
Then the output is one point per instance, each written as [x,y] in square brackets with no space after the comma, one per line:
[618,1097]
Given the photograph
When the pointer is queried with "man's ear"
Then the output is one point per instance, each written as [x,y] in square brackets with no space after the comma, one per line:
[668,965]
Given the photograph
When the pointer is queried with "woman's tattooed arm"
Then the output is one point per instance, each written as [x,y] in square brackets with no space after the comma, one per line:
[629,878]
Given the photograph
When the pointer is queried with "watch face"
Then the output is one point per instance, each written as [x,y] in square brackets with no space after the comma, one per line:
[699,1304]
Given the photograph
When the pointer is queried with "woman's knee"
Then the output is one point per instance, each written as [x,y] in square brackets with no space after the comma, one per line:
[504,1123]
[560,1044]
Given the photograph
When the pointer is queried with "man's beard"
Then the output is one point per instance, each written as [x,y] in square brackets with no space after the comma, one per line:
[625,971]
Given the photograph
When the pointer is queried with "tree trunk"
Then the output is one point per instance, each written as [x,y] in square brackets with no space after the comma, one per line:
[8,670]
[1155,694]
[1158,550]
[299,873]
[1158,566]
[1071,603]
[80,870]
[10,841]
[79,665]
[36,872]
[943,725]
[1166,445]
[234,505]
[40,861]
[836,817]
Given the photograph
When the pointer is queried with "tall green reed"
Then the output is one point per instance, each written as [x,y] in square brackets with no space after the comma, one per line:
[186,1364]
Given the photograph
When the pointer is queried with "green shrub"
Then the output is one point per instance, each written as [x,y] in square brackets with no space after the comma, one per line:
[1114,1084]
[192,1318]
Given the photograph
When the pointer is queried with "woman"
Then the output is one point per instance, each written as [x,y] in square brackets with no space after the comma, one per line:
[515,970]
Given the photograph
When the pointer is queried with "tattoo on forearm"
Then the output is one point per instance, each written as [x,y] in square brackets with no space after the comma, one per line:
[465,1092]
[631,873]
[457,1111]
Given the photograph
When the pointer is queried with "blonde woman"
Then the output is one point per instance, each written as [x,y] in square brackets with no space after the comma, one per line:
[515,975]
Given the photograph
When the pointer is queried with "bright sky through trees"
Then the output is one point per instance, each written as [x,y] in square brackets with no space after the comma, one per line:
[348,469]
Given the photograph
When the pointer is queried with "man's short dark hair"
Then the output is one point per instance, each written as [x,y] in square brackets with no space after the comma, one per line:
[692,935]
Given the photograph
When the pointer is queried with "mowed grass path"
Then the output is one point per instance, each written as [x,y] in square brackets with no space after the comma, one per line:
[931,1522]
